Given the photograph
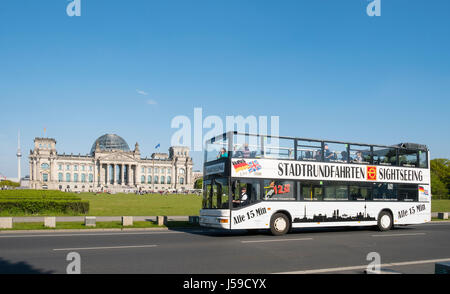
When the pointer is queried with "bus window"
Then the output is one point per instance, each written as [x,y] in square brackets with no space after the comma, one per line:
[220,198]
[384,191]
[279,190]
[309,150]
[215,195]
[334,191]
[252,191]
[311,191]
[423,161]
[384,156]
[279,148]
[335,152]
[407,157]
[360,154]
[206,194]
[360,192]
[408,192]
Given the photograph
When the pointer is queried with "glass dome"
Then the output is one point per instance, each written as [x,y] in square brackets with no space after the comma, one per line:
[110,142]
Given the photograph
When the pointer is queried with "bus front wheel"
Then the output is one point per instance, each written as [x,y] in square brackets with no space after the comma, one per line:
[385,221]
[279,224]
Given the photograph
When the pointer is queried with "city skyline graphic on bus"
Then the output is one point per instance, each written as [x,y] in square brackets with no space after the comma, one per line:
[360,216]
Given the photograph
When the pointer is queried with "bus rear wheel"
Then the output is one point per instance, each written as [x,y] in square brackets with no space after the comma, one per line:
[279,224]
[385,221]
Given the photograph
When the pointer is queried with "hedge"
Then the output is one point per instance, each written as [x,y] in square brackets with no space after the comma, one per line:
[43,206]
[37,195]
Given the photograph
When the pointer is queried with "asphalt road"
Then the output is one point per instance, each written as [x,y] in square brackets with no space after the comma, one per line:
[411,249]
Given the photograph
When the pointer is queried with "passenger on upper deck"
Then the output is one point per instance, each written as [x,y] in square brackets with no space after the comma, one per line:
[318,155]
[344,156]
[358,157]
[328,154]
[222,154]
[308,154]
[244,150]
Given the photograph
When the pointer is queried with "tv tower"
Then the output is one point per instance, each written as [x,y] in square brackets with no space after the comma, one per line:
[19,155]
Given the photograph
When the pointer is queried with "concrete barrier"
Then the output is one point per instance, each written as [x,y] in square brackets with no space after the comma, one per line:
[89,221]
[6,222]
[442,215]
[127,221]
[50,222]
[162,220]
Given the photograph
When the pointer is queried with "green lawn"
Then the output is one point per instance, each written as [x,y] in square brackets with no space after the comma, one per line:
[440,206]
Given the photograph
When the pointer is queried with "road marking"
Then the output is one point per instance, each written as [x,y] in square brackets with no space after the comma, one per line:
[395,235]
[278,240]
[357,267]
[100,248]
[89,234]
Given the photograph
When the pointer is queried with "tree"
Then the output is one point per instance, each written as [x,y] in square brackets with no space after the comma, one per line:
[198,184]
[440,178]
[438,188]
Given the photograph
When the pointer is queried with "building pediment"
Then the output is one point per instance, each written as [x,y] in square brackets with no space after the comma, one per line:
[116,156]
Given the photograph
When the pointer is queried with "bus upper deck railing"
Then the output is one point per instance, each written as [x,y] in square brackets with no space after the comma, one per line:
[240,145]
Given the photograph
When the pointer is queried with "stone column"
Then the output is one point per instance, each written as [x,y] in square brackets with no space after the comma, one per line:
[122,174]
[130,179]
[114,173]
[107,174]
[104,174]
[100,173]
[131,175]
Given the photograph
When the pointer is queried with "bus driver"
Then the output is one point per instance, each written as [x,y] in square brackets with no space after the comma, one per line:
[243,198]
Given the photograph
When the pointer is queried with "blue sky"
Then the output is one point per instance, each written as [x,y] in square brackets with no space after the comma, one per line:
[326,68]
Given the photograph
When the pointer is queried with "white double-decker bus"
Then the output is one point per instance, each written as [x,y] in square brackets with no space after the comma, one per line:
[279,183]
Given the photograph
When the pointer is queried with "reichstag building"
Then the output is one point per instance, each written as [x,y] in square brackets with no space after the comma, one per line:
[110,166]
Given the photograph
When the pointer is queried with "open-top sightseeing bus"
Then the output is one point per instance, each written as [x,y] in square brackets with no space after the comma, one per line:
[278,183]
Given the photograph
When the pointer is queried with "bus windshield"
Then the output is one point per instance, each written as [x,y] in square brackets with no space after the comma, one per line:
[215,193]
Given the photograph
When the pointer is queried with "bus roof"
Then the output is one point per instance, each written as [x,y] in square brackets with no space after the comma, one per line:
[406,145]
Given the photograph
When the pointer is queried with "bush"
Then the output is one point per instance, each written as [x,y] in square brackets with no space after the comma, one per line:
[41,202]
[30,206]
[38,194]
[8,183]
